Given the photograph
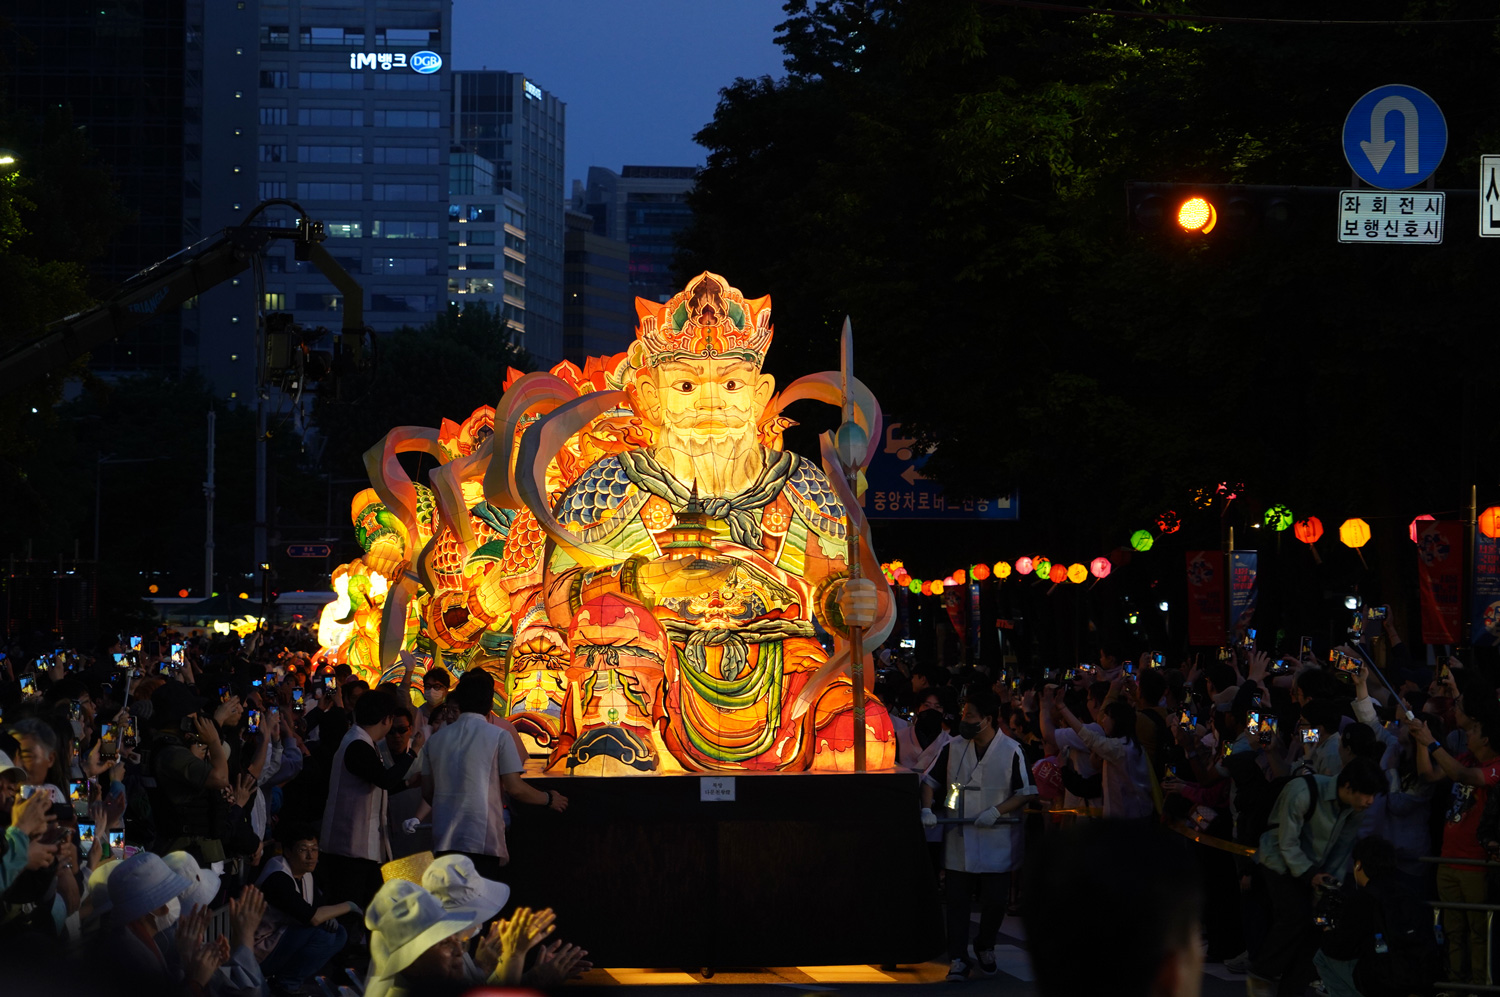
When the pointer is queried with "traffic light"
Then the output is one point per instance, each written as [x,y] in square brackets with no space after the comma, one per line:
[1228,213]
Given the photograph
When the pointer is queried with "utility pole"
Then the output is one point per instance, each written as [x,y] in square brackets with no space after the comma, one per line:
[208,494]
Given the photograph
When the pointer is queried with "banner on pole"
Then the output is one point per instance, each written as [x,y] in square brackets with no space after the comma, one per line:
[1205,584]
[1440,570]
[1486,620]
[1244,587]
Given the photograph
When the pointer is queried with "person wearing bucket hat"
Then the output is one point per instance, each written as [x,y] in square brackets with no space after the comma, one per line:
[414,940]
[205,881]
[454,881]
[144,893]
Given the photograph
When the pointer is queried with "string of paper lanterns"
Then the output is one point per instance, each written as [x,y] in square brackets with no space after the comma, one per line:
[1354,533]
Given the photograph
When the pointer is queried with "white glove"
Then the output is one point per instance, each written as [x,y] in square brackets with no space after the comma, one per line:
[929,819]
[989,818]
[859,602]
[409,825]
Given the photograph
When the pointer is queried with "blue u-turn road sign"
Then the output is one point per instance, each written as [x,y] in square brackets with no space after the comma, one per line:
[1394,137]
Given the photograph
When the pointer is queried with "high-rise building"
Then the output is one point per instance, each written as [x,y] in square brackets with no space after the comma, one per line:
[351,122]
[598,308]
[486,243]
[646,208]
[519,127]
[117,70]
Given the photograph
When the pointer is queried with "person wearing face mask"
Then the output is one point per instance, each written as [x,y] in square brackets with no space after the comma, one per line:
[910,745]
[435,686]
[986,777]
[145,897]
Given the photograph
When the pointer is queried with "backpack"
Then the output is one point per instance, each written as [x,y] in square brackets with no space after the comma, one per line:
[1256,796]
[1413,958]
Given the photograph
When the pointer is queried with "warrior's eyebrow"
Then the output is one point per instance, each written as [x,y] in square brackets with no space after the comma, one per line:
[683,365]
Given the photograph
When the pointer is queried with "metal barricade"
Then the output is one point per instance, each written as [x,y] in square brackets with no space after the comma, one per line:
[1488,986]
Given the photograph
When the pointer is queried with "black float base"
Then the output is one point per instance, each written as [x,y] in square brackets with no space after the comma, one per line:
[797,870]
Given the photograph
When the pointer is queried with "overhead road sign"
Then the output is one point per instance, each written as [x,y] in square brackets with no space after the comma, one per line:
[1489,196]
[1394,137]
[309,550]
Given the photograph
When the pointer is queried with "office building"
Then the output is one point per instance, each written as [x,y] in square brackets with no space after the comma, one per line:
[351,122]
[486,244]
[519,127]
[598,308]
[646,208]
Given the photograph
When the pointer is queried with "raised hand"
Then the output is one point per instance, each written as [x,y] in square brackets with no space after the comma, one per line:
[245,915]
[556,964]
[30,815]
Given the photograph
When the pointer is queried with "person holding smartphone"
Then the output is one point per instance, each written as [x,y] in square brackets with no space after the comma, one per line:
[190,763]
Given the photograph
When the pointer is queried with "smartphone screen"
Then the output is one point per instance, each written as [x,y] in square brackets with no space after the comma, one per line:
[116,839]
[1185,718]
[1130,668]
[1310,736]
[119,658]
[78,790]
[109,741]
[1160,659]
[28,685]
[253,716]
[135,643]
[177,653]
[328,681]
[85,837]
[297,697]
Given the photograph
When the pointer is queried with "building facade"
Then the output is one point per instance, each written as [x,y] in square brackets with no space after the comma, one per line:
[351,121]
[598,308]
[487,251]
[646,208]
[520,128]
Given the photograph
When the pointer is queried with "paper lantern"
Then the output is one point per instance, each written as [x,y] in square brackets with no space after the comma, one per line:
[1043,567]
[960,576]
[1354,533]
[1058,574]
[152,588]
[182,593]
[1203,498]
[1100,567]
[1002,570]
[1489,522]
[1023,565]
[1278,518]
[1142,540]
[1309,530]
[915,587]
[1412,529]
[1168,522]
[937,586]
[979,572]
[902,578]
[1077,574]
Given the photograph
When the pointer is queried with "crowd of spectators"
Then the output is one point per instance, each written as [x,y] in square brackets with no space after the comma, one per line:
[194,815]
[1318,789]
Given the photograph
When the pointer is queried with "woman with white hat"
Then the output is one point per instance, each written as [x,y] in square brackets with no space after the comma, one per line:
[458,885]
[145,896]
[414,940]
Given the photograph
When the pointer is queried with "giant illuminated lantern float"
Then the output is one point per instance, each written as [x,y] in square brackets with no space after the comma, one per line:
[631,551]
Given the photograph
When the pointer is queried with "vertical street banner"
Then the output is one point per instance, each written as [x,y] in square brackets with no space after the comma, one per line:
[1486,605]
[1205,585]
[953,602]
[974,642]
[1440,573]
[1244,588]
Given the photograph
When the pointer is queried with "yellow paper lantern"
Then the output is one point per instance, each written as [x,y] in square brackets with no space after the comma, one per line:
[1354,533]
[1002,570]
[1078,573]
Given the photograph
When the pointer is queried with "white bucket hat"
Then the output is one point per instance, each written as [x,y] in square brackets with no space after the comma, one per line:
[454,880]
[405,921]
[205,881]
[141,884]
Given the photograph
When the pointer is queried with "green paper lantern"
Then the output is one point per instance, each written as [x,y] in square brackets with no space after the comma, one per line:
[914,586]
[1279,518]
[1142,540]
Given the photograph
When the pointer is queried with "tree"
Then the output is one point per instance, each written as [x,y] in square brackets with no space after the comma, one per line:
[444,369]
[951,176]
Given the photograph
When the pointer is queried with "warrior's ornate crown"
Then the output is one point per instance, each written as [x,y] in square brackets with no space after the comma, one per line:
[709,319]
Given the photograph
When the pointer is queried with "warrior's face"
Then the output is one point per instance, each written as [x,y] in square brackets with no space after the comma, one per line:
[706,405]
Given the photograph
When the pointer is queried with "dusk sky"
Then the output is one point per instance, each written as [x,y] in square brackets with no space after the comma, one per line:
[639,77]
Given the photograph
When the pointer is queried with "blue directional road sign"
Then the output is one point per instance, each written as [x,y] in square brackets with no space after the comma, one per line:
[309,550]
[897,488]
[1394,137]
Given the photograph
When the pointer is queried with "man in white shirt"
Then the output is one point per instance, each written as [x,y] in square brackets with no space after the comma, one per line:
[464,768]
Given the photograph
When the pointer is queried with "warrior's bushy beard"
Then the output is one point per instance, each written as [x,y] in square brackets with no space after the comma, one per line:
[721,465]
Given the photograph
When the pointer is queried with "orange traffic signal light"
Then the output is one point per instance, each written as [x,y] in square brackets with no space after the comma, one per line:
[1197,214]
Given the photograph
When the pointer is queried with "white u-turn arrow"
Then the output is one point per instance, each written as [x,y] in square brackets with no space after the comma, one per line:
[1378,149]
